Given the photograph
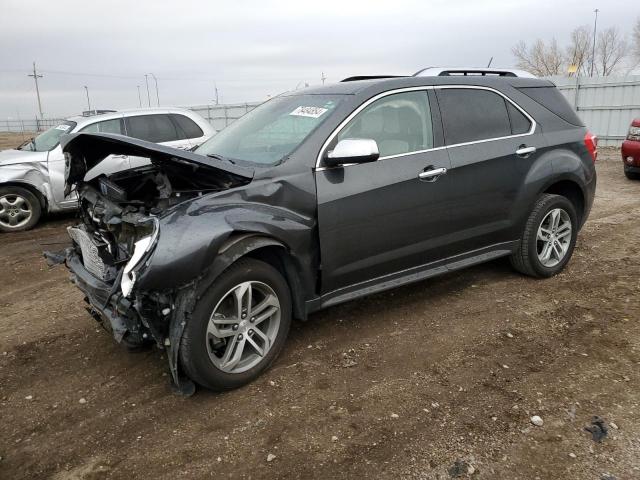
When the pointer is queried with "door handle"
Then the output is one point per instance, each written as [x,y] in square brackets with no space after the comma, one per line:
[119,156]
[524,151]
[432,175]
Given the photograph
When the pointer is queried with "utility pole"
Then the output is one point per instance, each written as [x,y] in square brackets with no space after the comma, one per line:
[146,81]
[157,94]
[139,97]
[593,50]
[215,86]
[36,76]
[323,78]
[86,89]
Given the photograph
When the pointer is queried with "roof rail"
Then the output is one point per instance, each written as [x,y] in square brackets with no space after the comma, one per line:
[466,71]
[369,77]
[91,113]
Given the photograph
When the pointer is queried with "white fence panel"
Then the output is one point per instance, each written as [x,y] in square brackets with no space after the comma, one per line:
[606,104]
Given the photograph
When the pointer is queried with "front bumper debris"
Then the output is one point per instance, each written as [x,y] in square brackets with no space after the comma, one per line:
[121,317]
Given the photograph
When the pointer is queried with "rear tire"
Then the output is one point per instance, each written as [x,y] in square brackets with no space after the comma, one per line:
[19,209]
[248,310]
[632,175]
[548,239]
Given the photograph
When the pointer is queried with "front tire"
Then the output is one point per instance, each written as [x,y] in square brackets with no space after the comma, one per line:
[19,209]
[548,239]
[238,327]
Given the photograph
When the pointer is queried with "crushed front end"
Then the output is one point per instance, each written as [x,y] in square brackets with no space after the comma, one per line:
[114,244]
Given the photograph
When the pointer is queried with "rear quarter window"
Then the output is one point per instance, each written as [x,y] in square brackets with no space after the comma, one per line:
[186,126]
[551,99]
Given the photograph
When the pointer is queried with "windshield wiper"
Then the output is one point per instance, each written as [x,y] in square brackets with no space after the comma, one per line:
[220,157]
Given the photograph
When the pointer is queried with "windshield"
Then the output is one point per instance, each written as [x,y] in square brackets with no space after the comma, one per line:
[272,131]
[49,139]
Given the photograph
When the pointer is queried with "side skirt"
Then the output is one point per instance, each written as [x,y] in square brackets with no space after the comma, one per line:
[411,275]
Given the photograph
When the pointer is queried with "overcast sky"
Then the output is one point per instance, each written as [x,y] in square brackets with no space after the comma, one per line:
[255,48]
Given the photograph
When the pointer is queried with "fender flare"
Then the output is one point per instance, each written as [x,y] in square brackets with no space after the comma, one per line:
[235,247]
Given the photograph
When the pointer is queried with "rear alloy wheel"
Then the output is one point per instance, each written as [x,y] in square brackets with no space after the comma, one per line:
[238,327]
[554,237]
[548,238]
[19,209]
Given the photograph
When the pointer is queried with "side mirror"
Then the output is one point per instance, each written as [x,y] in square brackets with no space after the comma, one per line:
[353,150]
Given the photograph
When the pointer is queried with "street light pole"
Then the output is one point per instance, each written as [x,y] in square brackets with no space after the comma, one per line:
[157,94]
[36,76]
[593,49]
[146,81]
[88,101]
[139,97]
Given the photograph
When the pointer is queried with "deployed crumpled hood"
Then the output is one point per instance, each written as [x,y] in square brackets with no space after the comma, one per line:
[83,151]
[11,157]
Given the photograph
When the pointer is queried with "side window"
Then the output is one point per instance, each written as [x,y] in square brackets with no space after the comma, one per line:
[519,123]
[469,115]
[399,123]
[186,126]
[107,126]
[152,128]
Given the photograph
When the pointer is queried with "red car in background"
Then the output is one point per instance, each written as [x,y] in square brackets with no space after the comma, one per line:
[631,151]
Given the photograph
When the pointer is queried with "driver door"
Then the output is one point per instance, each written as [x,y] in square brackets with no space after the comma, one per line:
[379,218]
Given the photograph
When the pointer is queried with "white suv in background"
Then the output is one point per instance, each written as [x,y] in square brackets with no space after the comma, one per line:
[32,176]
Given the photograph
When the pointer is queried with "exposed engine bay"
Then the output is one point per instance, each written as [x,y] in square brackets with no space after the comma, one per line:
[119,210]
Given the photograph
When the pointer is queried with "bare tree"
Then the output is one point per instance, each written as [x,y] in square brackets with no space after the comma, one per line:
[540,59]
[611,49]
[579,50]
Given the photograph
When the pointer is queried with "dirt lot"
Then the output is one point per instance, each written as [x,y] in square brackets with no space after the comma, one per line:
[12,140]
[399,385]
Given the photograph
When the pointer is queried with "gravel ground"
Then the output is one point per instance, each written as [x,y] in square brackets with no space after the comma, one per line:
[436,380]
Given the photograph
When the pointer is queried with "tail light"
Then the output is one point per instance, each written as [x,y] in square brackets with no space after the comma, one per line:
[591,142]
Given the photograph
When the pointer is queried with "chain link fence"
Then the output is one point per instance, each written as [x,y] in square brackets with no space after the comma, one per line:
[219,116]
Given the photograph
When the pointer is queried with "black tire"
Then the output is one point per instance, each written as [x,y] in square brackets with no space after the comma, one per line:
[11,193]
[632,175]
[194,355]
[525,258]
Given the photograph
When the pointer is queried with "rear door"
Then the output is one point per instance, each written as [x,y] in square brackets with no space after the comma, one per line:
[379,218]
[156,128]
[492,145]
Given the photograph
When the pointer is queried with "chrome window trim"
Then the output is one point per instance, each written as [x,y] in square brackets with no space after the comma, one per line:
[339,128]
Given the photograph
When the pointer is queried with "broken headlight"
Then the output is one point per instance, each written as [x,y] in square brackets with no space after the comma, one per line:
[140,250]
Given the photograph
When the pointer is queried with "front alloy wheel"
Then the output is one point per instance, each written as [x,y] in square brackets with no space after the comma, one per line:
[238,327]
[243,327]
[19,209]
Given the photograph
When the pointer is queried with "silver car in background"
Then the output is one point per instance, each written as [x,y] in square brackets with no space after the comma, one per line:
[32,176]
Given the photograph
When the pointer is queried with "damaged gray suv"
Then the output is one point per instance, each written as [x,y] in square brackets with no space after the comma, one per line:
[319,197]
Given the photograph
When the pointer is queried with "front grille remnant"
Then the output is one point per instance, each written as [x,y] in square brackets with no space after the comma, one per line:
[90,256]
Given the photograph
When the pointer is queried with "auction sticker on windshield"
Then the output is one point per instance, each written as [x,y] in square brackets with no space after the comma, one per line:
[63,127]
[313,112]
